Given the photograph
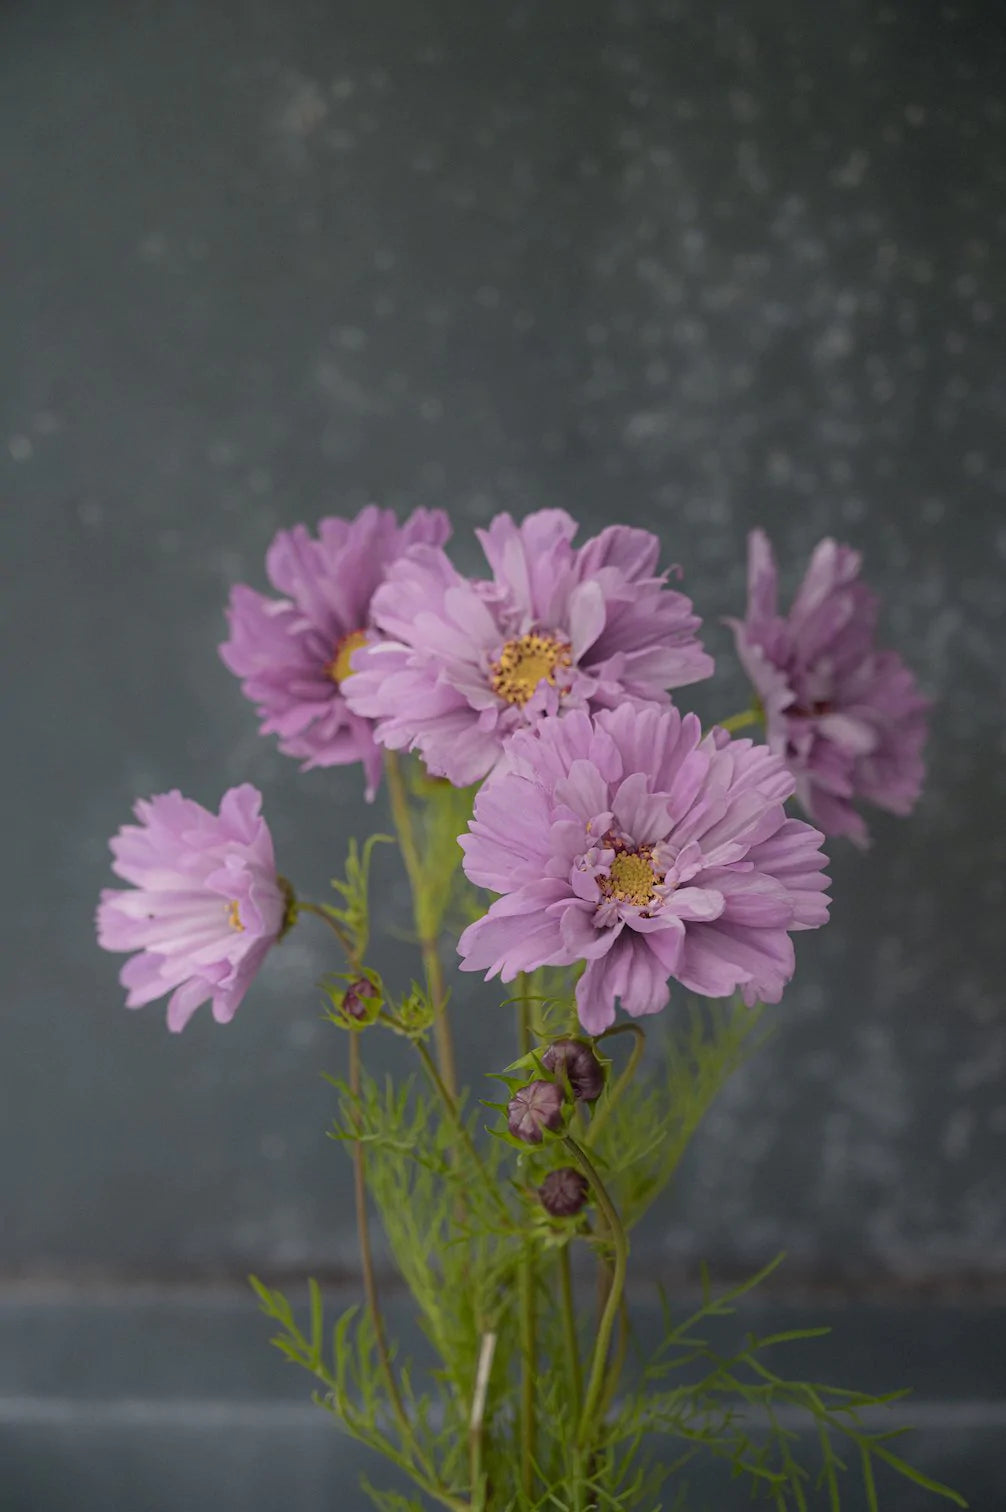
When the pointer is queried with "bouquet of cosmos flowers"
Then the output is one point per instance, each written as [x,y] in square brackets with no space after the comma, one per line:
[581,838]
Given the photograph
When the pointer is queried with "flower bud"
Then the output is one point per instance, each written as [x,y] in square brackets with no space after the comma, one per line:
[564,1192]
[415,1013]
[581,1065]
[358,999]
[533,1108]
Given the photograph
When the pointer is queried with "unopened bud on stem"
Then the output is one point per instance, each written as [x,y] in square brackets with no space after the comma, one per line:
[533,1108]
[564,1192]
[581,1065]
[357,1000]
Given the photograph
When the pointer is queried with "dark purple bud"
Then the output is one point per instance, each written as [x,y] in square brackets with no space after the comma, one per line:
[533,1108]
[564,1192]
[356,998]
[581,1065]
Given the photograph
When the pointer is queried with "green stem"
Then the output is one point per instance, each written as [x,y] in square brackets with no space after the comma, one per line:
[366,1254]
[461,1128]
[526,1284]
[362,1217]
[326,918]
[602,1114]
[477,1420]
[595,1385]
[525,1277]
[432,965]
[525,1037]
[741,721]
[621,1348]
[569,1330]
[424,1472]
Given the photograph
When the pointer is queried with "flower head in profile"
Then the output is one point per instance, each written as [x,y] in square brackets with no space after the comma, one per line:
[204,905]
[848,718]
[464,664]
[633,843]
[294,654]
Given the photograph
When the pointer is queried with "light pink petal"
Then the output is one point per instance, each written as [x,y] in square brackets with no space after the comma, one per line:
[586,617]
[582,938]
[185,1000]
[643,815]
[517,934]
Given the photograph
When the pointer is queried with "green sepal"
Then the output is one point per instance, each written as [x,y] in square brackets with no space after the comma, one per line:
[335,1012]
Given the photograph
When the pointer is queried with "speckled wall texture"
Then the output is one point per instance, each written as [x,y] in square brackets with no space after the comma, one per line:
[689,266]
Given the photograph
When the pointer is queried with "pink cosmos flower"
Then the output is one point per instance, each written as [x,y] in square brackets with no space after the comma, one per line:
[556,628]
[294,654]
[848,719]
[631,842]
[204,907]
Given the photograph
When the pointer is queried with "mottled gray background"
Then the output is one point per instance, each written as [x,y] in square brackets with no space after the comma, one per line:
[688,266]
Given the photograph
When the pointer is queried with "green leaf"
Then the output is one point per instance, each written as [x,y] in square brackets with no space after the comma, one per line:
[912,1474]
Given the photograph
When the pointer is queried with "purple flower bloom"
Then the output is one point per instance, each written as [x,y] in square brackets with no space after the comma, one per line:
[556,628]
[848,719]
[631,842]
[205,905]
[294,654]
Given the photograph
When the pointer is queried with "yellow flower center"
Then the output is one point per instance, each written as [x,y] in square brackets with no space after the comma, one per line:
[631,878]
[339,668]
[526,661]
[234,916]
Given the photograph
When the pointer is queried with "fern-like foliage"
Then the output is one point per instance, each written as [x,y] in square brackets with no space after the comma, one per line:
[743,1412]
[517,1402]
[640,1136]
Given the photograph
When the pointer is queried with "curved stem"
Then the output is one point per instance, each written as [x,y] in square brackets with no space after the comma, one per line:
[526,1285]
[362,1217]
[366,1254]
[432,964]
[741,721]
[528,1345]
[326,918]
[525,1037]
[630,1070]
[569,1330]
[595,1385]
[621,1349]
[476,1421]
[464,1133]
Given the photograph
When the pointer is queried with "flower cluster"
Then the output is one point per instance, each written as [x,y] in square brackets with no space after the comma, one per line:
[617,836]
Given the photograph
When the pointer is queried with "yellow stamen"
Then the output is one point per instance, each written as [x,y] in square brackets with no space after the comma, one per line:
[631,878]
[234,916]
[525,662]
[339,668]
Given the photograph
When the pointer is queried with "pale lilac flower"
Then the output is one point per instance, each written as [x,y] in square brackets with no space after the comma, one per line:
[848,719]
[294,654]
[556,628]
[205,904]
[632,843]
